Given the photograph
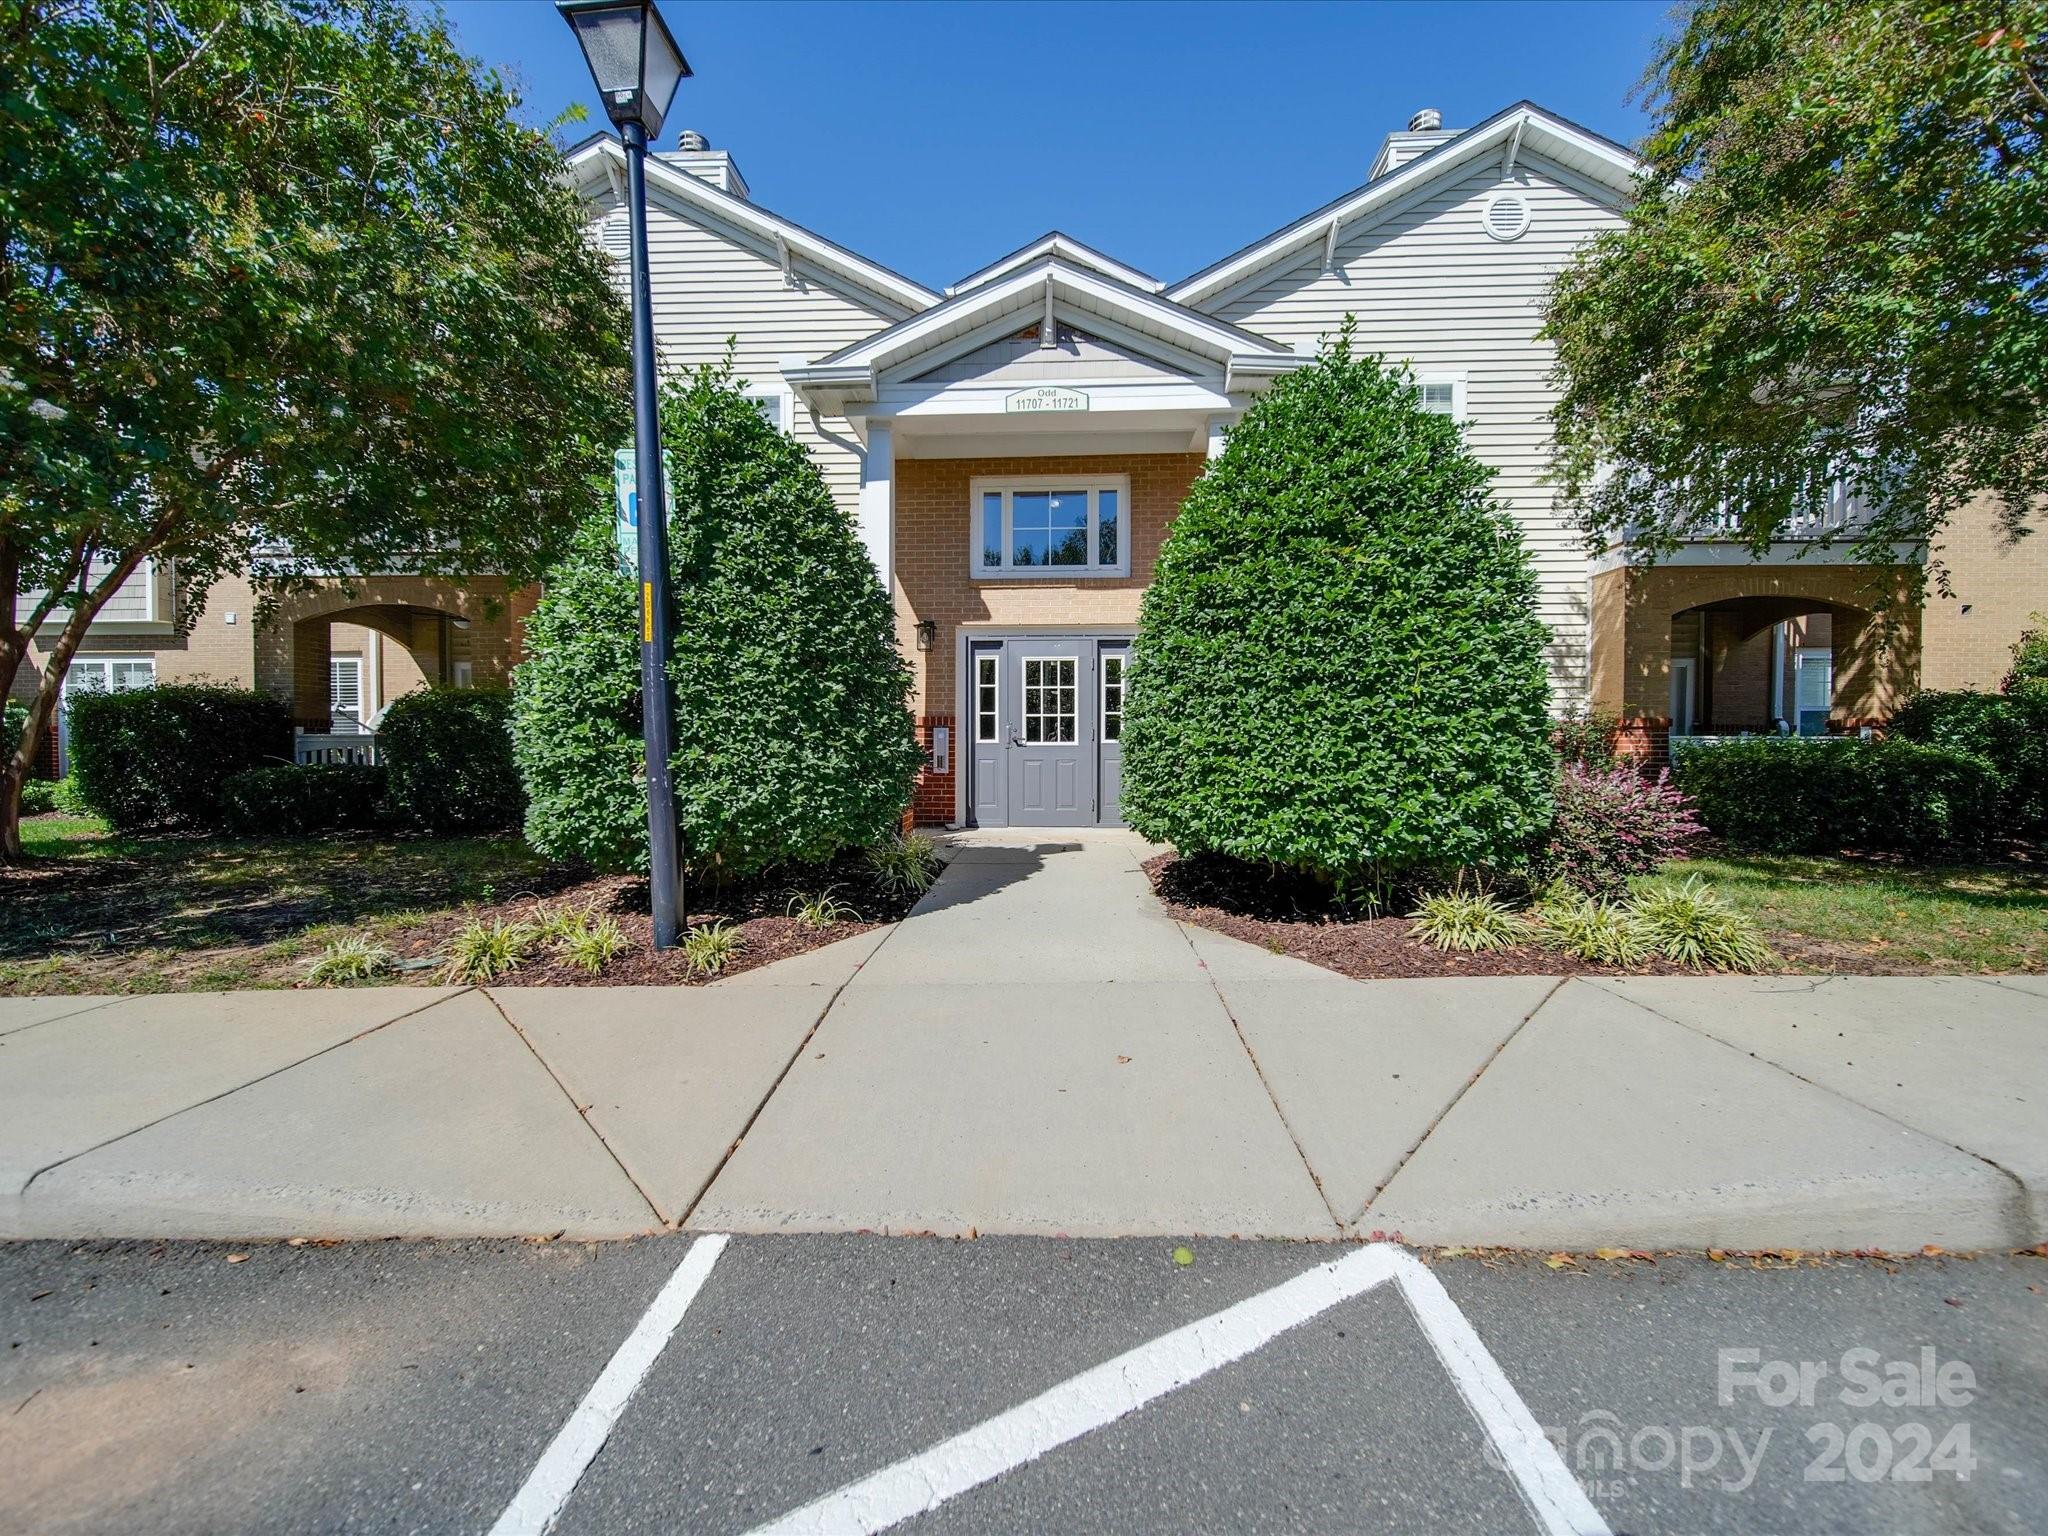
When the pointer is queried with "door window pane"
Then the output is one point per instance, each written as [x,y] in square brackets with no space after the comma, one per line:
[984,698]
[1049,698]
[1112,698]
[1108,531]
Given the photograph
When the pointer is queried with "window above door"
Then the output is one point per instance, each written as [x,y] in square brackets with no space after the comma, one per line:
[1049,527]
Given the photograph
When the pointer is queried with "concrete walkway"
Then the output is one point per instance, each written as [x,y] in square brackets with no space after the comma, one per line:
[1040,1049]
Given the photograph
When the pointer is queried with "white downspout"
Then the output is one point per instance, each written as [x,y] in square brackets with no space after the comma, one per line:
[1777,673]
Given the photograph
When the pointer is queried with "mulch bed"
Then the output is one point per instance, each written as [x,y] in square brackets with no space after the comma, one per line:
[1297,917]
[759,908]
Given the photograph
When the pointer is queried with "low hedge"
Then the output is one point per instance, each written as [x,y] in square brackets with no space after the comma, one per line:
[2008,731]
[158,756]
[285,801]
[1801,795]
[448,752]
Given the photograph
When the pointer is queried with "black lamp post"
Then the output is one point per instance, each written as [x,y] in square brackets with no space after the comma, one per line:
[637,67]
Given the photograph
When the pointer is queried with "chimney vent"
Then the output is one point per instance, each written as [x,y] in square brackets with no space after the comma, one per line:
[691,139]
[1428,120]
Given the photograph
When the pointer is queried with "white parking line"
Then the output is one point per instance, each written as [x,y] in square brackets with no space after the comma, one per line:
[1107,1392]
[554,1477]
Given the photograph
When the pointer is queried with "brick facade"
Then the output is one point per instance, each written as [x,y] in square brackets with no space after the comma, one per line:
[1995,586]
[1643,616]
[934,580]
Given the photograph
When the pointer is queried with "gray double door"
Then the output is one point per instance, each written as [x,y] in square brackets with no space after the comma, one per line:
[1045,723]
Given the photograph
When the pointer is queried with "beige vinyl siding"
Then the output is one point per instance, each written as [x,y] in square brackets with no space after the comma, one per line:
[1431,288]
[709,284]
[144,598]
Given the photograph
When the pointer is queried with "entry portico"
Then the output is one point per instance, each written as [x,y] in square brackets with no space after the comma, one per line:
[1025,443]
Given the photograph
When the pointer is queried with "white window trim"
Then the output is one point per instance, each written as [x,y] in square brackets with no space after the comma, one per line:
[1803,657]
[1457,383]
[345,662]
[994,658]
[1008,484]
[102,658]
[783,399]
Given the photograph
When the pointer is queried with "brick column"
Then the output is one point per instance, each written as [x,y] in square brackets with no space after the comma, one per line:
[931,802]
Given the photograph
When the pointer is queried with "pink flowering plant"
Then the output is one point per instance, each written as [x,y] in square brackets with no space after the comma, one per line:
[1612,823]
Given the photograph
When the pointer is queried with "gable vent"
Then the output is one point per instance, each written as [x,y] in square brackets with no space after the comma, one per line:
[1507,216]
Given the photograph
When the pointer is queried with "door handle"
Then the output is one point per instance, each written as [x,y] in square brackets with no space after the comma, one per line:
[1016,740]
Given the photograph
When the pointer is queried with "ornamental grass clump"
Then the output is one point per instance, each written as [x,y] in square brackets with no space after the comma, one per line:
[591,942]
[1339,669]
[1594,929]
[709,950]
[352,958]
[1468,920]
[1689,924]
[905,865]
[821,911]
[484,951]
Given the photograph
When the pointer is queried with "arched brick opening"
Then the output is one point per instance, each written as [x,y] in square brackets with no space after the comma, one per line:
[411,631]
[1648,620]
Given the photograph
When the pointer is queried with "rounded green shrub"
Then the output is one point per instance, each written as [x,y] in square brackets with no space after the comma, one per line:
[447,755]
[793,734]
[157,757]
[2009,731]
[292,802]
[1339,668]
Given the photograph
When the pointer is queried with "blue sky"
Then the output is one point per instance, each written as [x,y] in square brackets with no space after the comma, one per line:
[935,137]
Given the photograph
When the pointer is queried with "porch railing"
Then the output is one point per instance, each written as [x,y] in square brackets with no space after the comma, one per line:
[313,748]
[1680,743]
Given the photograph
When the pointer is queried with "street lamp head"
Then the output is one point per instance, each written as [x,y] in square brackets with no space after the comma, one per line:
[632,57]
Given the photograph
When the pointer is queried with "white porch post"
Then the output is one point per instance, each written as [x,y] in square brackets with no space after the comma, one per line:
[878,501]
[1217,424]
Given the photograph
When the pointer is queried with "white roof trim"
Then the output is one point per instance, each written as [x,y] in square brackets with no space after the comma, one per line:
[1524,126]
[680,186]
[1067,249]
[854,373]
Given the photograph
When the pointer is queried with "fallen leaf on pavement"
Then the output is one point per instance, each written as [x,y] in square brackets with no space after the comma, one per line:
[238,1258]
[1123,1061]
[1560,1261]
[1183,1256]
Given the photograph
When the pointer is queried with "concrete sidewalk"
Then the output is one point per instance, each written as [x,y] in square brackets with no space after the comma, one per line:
[1039,1048]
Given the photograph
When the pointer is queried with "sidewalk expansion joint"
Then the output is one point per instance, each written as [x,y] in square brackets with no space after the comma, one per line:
[2021,1216]
[264,1077]
[1260,1072]
[58,1018]
[1438,1119]
[787,1067]
[582,1110]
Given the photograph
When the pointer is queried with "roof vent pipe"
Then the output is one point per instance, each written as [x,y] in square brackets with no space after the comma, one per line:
[1428,120]
[691,139]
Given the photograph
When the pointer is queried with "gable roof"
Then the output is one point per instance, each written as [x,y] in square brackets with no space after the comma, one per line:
[592,164]
[1521,126]
[971,315]
[1069,250]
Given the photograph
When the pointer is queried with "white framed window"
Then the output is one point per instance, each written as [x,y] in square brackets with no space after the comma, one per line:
[345,686]
[1113,697]
[774,406]
[109,674]
[1441,394]
[1049,526]
[986,715]
[464,674]
[1051,699]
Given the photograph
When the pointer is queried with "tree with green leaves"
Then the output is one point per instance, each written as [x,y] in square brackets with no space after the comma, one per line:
[1833,274]
[1338,668]
[793,737]
[283,287]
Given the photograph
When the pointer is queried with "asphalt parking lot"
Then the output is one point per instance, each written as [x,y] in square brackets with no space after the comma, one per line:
[418,1386]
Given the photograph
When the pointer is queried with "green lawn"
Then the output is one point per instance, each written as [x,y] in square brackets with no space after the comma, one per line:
[98,912]
[1825,914]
